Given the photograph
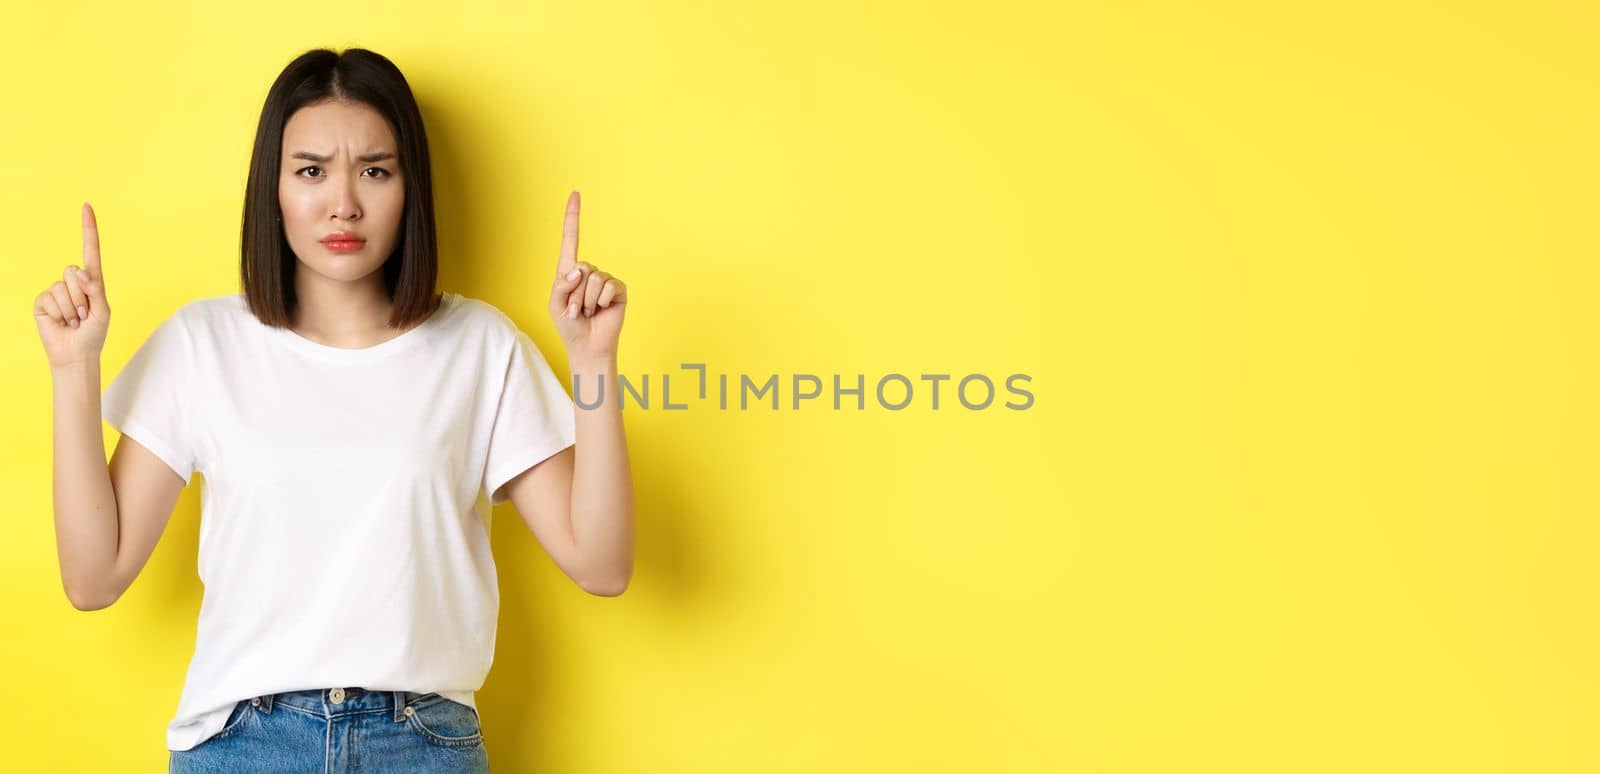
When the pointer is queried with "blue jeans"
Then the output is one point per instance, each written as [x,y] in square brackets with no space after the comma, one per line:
[342,730]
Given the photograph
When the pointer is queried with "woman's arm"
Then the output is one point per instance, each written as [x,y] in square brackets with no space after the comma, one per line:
[579,502]
[602,483]
[100,546]
[85,505]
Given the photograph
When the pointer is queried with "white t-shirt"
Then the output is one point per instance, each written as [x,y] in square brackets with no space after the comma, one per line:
[344,533]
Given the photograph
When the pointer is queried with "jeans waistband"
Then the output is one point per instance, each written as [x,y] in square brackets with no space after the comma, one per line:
[333,702]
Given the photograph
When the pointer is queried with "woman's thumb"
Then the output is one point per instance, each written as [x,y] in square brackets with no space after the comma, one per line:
[96,292]
[571,281]
[562,289]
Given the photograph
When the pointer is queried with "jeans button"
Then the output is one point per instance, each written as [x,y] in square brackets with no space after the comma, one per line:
[256,702]
[336,696]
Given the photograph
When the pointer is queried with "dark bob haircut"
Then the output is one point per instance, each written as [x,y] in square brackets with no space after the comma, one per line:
[266,264]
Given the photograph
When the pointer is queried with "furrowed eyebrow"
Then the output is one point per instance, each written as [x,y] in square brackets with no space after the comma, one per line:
[370,157]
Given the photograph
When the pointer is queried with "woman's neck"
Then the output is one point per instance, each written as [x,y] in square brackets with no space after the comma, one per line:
[348,315]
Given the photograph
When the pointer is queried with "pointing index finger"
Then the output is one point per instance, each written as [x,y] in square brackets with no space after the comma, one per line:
[91,242]
[569,238]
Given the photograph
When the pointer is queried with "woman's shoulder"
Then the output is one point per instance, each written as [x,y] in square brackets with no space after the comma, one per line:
[208,312]
[484,317]
[197,313]
[230,303]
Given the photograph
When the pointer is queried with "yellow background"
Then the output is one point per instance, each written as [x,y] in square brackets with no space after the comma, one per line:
[1306,294]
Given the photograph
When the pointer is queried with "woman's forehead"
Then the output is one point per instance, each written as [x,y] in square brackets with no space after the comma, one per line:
[352,127]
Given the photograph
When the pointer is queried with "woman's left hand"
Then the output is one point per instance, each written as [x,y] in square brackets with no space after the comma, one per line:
[586,303]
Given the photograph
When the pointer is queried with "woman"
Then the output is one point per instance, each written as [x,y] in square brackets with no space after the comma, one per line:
[355,429]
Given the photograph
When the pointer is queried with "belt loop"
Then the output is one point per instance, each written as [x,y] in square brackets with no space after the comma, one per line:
[399,705]
[266,702]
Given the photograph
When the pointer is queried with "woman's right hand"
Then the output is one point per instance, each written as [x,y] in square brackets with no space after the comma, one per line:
[71,337]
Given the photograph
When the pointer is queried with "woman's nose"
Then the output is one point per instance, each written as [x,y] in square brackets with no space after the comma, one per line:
[346,205]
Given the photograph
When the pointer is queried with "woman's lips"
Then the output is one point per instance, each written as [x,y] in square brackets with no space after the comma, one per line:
[344,245]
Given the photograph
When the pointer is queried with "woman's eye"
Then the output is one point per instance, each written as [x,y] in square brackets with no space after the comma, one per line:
[368,169]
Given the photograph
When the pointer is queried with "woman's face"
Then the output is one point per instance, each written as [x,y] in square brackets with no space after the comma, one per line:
[341,172]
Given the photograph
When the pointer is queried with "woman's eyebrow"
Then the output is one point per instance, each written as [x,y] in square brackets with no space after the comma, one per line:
[309,156]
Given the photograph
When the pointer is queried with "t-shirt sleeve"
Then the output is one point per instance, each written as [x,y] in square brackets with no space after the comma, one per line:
[146,400]
[533,420]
